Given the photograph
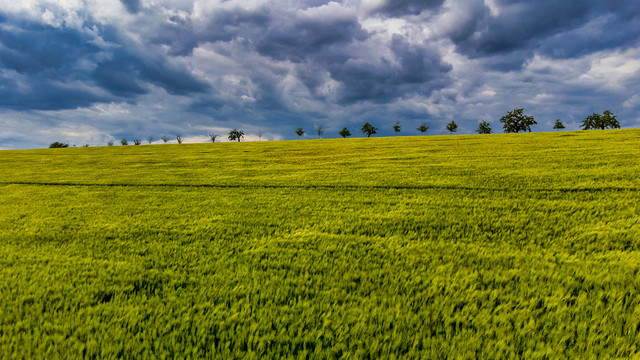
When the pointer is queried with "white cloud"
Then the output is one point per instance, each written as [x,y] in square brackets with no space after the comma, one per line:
[632,102]
[614,69]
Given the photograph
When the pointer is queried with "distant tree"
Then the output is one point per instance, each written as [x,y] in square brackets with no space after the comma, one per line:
[124,142]
[610,120]
[558,125]
[592,122]
[137,141]
[58,144]
[299,132]
[516,121]
[484,128]
[369,129]
[164,139]
[260,135]
[110,143]
[85,145]
[600,122]
[213,137]
[320,130]
[423,128]
[344,132]
[179,139]
[452,127]
[149,139]
[236,135]
[396,127]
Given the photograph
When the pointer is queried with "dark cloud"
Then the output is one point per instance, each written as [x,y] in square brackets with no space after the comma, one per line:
[557,28]
[61,63]
[604,32]
[174,80]
[121,79]
[37,48]
[322,45]
[43,94]
[407,7]
[124,74]
[305,38]
[133,6]
[48,68]
[417,69]
[181,36]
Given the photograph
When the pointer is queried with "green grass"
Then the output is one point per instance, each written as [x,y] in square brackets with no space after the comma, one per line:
[496,246]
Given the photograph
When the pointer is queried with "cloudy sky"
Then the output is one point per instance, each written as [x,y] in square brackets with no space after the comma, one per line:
[90,71]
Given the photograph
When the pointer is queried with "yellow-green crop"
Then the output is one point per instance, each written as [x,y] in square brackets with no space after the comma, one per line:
[492,246]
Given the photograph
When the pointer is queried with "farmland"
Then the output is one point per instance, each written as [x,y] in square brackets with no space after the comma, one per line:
[469,246]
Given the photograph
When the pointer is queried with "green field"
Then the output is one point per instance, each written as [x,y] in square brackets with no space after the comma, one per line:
[469,246]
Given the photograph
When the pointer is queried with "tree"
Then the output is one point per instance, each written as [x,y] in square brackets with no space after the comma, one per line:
[597,121]
[299,132]
[149,139]
[58,144]
[236,135]
[344,132]
[396,127]
[610,120]
[213,137]
[592,122]
[320,130]
[452,127]
[260,135]
[516,121]
[179,139]
[558,125]
[484,128]
[423,128]
[164,139]
[110,143]
[124,142]
[369,129]
[137,141]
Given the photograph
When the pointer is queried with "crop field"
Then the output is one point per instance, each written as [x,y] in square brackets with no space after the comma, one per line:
[468,246]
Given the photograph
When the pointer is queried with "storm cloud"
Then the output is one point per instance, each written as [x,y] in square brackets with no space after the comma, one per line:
[94,71]
[557,29]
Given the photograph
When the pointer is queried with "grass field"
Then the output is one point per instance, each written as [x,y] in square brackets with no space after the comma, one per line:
[492,246]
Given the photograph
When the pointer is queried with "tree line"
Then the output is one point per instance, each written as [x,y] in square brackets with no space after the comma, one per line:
[513,122]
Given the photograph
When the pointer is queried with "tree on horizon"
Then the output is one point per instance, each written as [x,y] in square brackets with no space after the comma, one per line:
[516,121]
[369,129]
[484,128]
[396,127]
[600,122]
[558,125]
[236,135]
[344,132]
[452,127]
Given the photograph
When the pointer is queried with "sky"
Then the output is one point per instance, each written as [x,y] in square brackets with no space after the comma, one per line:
[91,71]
